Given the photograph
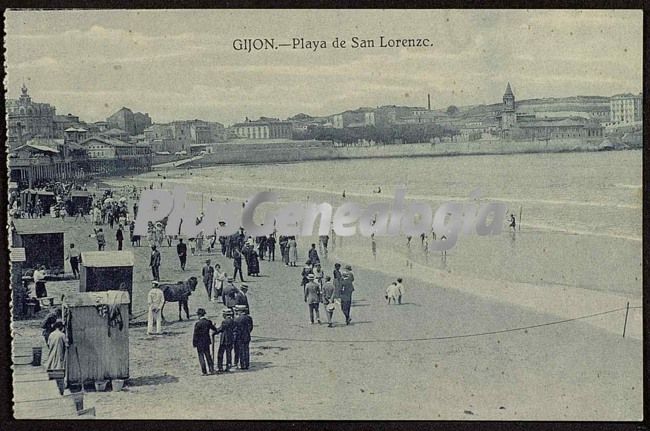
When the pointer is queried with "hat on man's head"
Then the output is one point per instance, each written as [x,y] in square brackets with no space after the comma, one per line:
[155,282]
[244,286]
[348,267]
[227,312]
[200,312]
[230,279]
[241,308]
[310,276]
[208,261]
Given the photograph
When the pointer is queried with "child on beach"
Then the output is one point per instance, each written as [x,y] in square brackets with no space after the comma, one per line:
[392,293]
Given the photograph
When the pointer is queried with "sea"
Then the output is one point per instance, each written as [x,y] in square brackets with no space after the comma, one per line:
[579,215]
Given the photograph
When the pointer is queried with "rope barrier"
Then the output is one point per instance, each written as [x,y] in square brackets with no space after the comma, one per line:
[447,337]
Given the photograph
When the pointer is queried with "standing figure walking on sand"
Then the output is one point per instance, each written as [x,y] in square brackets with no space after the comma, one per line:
[155,300]
[327,297]
[57,342]
[226,341]
[513,222]
[313,255]
[154,263]
[236,260]
[208,277]
[74,257]
[217,285]
[181,251]
[347,287]
[293,251]
[119,236]
[242,334]
[312,298]
[201,340]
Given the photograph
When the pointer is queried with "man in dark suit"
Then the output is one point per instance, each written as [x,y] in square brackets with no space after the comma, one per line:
[347,287]
[119,237]
[243,328]
[208,275]
[202,340]
[240,296]
[226,340]
[154,263]
[312,297]
[236,259]
[181,251]
[313,255]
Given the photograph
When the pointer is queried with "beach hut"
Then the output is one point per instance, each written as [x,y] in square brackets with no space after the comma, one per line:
[47,200]
[97,325]
[106,270]
[27,195]
[43,246]
[18,288]
[81,199]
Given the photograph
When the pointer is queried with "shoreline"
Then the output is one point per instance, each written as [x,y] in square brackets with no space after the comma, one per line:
[395,151]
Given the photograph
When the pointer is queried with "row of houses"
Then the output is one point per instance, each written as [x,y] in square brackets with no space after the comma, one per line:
[27,119]
[62,160]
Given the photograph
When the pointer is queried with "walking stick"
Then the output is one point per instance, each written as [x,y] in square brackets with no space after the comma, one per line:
[213,358]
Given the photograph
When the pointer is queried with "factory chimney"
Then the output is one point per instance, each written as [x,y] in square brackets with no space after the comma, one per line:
[429,101]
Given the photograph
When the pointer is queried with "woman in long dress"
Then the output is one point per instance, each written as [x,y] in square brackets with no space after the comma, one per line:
[253,263]
[293,251]
[57,342]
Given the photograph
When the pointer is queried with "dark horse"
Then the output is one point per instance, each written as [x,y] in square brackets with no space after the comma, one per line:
[178,292]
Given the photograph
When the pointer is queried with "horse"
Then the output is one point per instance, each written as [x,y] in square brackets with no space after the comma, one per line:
[180,293]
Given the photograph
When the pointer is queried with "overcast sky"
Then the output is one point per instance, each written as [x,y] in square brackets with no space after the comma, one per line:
[182,65]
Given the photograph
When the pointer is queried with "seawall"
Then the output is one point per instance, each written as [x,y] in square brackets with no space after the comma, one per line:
[233,153]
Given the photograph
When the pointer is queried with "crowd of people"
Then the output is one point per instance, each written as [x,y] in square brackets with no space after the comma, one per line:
[333,290]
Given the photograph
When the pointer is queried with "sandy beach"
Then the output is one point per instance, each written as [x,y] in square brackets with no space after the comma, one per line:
[424,359]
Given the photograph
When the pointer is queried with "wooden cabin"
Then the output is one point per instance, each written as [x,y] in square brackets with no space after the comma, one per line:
[98,332]
[43,246]
[81,200]
[106,270]
[18,288]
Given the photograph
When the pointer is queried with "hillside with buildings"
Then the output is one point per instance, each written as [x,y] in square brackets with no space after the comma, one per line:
[43,143]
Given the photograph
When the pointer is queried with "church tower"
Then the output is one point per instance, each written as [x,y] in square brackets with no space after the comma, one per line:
[509,115]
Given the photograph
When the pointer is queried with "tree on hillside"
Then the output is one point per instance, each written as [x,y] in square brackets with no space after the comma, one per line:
[453,110]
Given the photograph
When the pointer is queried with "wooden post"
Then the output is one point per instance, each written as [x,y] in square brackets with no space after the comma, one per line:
[521,208]
[627,310]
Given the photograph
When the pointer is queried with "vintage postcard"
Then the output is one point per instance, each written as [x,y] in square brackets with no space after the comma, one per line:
[325,214]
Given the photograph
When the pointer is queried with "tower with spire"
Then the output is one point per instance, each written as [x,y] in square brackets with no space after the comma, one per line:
[509,114]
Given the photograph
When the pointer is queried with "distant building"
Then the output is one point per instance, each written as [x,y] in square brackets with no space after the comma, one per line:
[361,117]
[99,147]
[101,126]
[75,135]
[264,128]
[626,108]
[527,126]
[115,134]
[560,128]
[508,115]
[132,123]
[142,121]
[27,119]
[180,135]
[63,122]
